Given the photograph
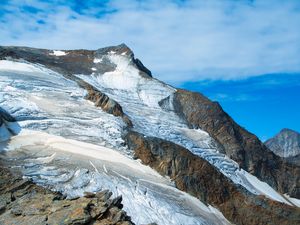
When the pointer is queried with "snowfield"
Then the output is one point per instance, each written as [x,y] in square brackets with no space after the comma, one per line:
[139,98]
[73,167]
[58,53]
[73,147]
[74,152]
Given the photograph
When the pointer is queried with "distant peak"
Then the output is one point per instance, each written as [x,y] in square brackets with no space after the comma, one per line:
[287,130]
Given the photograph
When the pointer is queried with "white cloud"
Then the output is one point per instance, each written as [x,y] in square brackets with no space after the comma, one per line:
[182,41]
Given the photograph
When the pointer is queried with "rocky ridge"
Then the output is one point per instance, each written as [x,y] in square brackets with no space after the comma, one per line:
[236,142]
[23,202]
[198,178]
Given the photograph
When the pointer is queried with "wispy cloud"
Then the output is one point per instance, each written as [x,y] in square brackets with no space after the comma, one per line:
[178,40]
[223,97]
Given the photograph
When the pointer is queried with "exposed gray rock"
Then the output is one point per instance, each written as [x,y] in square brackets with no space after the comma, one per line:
[285,144]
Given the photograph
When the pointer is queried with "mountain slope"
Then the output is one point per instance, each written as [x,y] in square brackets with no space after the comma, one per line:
[48,90]
[23,202]
[240,145]
[85,151]
[285,144]
[195,176]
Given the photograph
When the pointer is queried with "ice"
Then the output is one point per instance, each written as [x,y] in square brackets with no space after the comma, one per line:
[90,140]
[7,65]
[294,201]
[42,100]
[73,167]
[139,97]
[97,60]
[45,100]
[127,78]
[4,133]
[263,188]
[58,53]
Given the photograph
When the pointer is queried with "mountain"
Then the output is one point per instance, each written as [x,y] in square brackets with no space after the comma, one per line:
[93,120]
[285,144]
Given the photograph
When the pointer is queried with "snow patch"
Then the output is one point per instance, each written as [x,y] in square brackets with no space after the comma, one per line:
[58,53]
[139,185]
[295,201]
[76,147]
[127,78]
[6,65]
[263,188]
[46,159]
[97,60]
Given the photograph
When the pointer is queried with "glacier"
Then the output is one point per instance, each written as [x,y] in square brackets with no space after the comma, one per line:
[71,146]
[65,139]
[128,87]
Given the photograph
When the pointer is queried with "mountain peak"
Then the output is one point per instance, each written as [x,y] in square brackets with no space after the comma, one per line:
[288,130]
[286,143]
[124,50]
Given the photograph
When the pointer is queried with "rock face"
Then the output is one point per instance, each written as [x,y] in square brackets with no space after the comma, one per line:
[22,202]
[285,144]
[8,125]
[103,101]
[240,145]
[200,179]
[5,116]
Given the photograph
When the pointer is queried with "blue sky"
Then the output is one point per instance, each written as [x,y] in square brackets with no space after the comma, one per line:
[244,54]
[263,104]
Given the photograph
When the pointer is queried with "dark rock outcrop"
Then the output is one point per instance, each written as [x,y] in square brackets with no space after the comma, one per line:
[200,179]
[285,144]
[240,145]
[75,61]
[8,125]
[23,203]
[104,102]
[5,116]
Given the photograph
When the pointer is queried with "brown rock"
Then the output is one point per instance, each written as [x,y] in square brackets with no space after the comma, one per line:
[104,102]
[236,142]
[38,206]
[200,179]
